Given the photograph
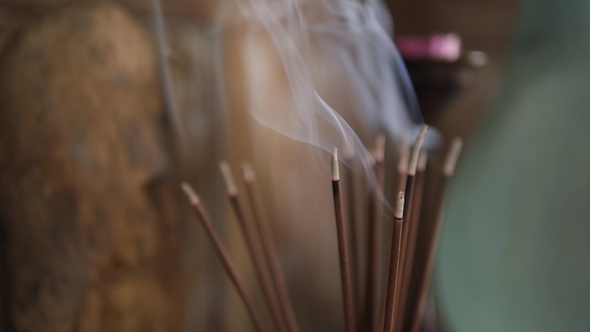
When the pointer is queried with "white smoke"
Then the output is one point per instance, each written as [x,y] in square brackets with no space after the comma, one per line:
[356,37]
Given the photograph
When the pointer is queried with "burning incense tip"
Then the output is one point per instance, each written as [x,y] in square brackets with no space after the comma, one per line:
[248,170]
[422,161]
[229,179]
[190,194]
[380,149]
[399,206]
[416,151]
[451,161]
[335,170]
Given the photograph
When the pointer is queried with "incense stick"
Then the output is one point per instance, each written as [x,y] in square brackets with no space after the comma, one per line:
[374,241]
[349,313]
[269,247]
[402,165]
[432,241]
[263,278]
[348,156]
[394,265]
[223,256]
[413,230]
[400,182]
[412,165]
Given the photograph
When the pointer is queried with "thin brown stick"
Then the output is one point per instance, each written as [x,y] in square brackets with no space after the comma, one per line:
[402,165]
[400,185]
[413,228]
[432,241]
[223,256]
[394,261]
[371,295]
[261,274]
[349,313]
[404,244]
[269,247]
[352,224]
[374,241]
[413,164]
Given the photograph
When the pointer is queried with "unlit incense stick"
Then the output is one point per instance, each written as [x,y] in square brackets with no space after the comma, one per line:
[415,155]
[452,157]
[263,278]
[349,313]
[223,256]
[353,226]
[413,225]
[269,247]
[394,265]
[402,164]
[432,241]
[412,165]
[374,240]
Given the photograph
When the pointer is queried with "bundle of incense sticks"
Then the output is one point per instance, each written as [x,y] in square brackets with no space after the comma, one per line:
[398,304]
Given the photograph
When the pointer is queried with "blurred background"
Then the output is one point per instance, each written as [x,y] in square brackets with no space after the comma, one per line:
[105,107]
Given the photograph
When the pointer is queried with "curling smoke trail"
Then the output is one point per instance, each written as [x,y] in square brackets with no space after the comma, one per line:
[355,37]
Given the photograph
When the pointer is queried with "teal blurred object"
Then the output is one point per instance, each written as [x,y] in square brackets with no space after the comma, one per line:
[515,246]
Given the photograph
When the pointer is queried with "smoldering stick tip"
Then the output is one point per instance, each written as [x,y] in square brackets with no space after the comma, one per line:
[422,161]
[190,194]
[248,170]
[416,151]
[335,168]
[228,178]
[399,206]
[452,156]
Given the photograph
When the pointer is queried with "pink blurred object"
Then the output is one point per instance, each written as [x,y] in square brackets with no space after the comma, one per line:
[437,47]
